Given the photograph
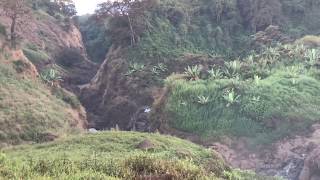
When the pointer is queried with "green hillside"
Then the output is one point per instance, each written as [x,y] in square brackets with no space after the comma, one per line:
[266,97]
[116,155]
[29,112]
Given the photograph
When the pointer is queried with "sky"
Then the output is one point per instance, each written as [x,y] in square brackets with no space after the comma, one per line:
[86,6]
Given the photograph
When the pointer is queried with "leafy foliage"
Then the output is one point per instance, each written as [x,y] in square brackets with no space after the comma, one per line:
[135,67]
[69,57]
[51,77]
[193,72]
[35,56]
[95,37]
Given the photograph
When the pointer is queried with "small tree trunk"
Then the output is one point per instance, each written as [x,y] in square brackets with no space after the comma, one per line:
[13,31]
[133,40]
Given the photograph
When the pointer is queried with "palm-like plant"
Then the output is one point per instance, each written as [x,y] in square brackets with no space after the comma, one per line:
[295,71]
[193,72]
[256,98]
[312,55]
[135,67]
[203,100]
[233,68]
[271,53]
[159,68]
[234,65]
[250,59]
[231,97]
[299,50]
[51,77]
[257,79]
[215,74]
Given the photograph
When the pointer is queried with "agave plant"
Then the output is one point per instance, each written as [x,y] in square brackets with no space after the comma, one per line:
[257,79]
[193,72]
[295,71]
[233,68]
[159,68]
[312,55]
[256,98]
[203,100]
[215,74]
[299,50]
[135,67]
[231,97]
[234,65]
[51,77]
[271,53]
[250,59]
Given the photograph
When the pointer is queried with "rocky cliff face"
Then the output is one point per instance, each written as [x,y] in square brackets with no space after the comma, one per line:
[111,98]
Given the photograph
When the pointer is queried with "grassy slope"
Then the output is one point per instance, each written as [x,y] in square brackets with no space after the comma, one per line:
[282,102]
[28,110]
[114,154]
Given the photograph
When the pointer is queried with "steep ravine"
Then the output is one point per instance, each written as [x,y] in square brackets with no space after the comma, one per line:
[113,99]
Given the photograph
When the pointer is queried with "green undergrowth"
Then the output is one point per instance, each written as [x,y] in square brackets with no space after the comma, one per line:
[262,99]
[176,28]
[28,110]
[36,56]
[115,155]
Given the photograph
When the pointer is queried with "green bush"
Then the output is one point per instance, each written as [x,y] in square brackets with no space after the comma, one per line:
[35,56]
[69,57]
[67,97]
[51,77]
[20,66]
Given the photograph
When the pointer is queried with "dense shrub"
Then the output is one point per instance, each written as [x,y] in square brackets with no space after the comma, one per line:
[69,57]
[20,66]
[67,97]
[36,56]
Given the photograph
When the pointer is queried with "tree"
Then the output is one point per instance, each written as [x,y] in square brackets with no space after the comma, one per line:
[127,16]
[67,7]
[259,14]
[15,10]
